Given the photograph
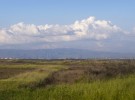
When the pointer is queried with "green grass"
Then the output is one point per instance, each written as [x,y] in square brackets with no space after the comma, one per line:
[115,89]
[24,86]
[28,79]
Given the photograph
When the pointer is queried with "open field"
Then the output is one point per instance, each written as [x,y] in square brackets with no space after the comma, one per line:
[67,79]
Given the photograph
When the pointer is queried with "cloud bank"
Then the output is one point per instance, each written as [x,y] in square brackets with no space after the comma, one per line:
[89,33]
[90,28]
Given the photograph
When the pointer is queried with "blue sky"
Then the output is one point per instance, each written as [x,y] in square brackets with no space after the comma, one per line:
[26,13]
[120,12]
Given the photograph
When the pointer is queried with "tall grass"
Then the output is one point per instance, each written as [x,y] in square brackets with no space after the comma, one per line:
[115,89]
[28,79]
[23,86]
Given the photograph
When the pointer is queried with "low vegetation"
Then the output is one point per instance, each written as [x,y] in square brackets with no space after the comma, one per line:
[67,79]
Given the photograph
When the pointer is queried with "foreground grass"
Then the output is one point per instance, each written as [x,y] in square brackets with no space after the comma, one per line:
[102,80]
[28,79]
[115,89]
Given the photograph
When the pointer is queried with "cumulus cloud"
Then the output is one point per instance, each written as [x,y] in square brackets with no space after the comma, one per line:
[26,29]
[89,28]
[95,29]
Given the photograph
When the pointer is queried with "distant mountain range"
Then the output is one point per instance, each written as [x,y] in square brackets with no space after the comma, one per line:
[60,54]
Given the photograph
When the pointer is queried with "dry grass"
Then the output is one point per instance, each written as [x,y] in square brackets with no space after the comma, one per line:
[10,72]
[89,71]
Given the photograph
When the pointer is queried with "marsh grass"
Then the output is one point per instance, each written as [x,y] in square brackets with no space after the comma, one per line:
[115,89]
[120,85]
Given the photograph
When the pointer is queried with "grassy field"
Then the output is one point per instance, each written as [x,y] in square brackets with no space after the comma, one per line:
[67,79]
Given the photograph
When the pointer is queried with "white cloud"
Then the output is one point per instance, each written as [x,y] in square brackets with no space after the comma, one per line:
[95,29]
[4,37]
[21,28]
[90,28]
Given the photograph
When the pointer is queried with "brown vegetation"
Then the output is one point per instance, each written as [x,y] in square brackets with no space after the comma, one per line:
[10,72]
[89,70]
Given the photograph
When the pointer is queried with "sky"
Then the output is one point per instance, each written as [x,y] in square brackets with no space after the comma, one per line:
[101,25]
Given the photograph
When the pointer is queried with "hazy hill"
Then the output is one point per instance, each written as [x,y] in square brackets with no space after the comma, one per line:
[60,54]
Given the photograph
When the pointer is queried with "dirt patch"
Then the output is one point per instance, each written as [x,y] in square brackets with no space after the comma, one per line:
[10,72]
